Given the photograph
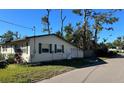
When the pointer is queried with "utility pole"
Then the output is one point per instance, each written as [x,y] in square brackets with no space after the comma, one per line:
[34,29]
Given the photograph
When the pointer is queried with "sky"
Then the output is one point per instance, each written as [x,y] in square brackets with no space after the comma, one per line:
[32,17]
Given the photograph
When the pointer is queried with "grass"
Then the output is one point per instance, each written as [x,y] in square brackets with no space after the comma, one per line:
[103,58]
[24,74]
[15,73]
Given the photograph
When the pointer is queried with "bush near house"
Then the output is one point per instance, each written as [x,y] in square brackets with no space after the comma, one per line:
[11,58]
[3,62]
[103,52]
[2,57]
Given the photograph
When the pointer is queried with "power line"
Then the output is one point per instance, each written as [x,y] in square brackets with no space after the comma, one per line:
[15,24]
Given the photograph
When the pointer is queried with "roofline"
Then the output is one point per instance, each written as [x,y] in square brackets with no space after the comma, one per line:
[40,36]
[14,41]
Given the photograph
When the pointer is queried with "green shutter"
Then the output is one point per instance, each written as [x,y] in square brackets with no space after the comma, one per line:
[55,48]
[50,48]
[40,48]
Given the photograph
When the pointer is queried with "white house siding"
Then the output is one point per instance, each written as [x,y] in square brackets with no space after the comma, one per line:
[26,56]
[9,49]
[69,50]
[6,50]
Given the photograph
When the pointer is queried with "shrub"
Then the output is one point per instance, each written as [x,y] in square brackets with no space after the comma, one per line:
[10,59]
[101,52]
[2,57]
[105,53]
[112,53]
[3,64]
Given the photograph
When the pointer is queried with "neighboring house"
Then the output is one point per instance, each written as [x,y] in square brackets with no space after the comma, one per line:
[42,48]
[119,49]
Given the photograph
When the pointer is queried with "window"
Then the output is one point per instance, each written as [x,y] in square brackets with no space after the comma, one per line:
[59,48]
[45,48]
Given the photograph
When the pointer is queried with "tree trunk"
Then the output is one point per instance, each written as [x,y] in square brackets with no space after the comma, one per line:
[84,33]
[48,11]
[95,38]
[61,23]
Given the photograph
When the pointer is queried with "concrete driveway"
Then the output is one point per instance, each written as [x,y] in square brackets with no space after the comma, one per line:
[112,72]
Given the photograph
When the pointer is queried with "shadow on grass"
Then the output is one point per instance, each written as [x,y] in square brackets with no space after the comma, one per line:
[115,56]
[76,63]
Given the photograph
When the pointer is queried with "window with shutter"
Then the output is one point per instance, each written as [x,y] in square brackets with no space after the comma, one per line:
[45,48]
[59,48]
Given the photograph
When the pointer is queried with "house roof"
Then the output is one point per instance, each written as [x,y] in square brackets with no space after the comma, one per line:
[52,35]
[26,38]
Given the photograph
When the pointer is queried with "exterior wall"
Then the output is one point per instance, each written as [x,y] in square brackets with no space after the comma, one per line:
[70,51]
[9,49]
[6,50]
[26,56]
[89,53]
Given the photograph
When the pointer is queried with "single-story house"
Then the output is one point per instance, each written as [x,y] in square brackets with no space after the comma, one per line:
[42,48]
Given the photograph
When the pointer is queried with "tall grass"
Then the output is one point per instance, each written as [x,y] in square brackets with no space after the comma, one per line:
[18,73]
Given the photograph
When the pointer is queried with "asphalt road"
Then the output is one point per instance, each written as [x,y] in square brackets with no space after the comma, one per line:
[111,72]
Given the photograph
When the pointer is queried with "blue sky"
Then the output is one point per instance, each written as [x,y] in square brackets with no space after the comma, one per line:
[32,18]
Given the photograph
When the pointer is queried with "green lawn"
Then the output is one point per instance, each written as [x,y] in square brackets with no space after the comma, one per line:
[24,73]
[19,73]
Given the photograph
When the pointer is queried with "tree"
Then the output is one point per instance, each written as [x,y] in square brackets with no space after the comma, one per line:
[86,14]
[110,45]
[97,21]
[16,35]
[62,21]
[46,22]
[101,19]
[118,42]
[9,36]
[58,33]
[69,32]
[77,40]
